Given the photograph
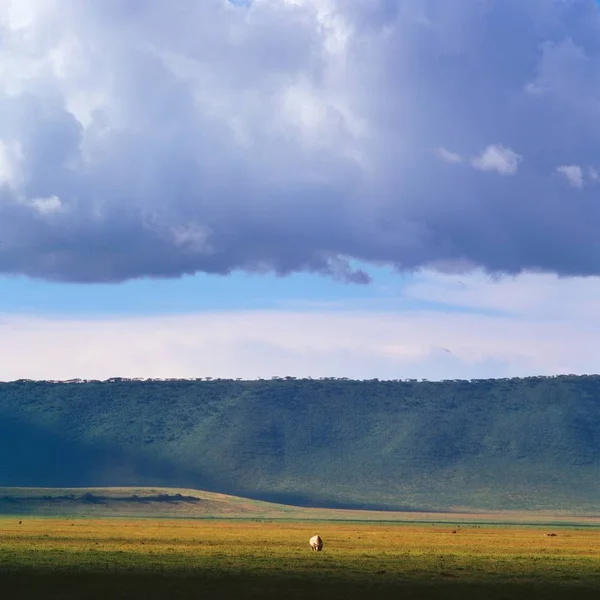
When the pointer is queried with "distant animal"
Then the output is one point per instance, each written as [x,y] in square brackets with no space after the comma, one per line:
[20,522]
[550,535]
[316,543]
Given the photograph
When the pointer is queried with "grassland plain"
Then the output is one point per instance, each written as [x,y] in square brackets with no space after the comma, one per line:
[183,558]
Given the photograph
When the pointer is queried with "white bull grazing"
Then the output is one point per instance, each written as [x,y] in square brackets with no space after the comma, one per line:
[316,543]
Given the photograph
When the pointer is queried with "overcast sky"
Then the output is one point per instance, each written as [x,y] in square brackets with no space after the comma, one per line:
[361,188]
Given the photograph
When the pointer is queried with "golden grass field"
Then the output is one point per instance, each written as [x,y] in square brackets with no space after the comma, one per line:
[185,558]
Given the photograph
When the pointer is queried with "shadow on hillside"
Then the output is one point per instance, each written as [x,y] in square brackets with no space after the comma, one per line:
[38,457]
[315,501]
[33,456]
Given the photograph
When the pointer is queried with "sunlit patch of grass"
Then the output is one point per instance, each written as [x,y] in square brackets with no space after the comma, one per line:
[246,558]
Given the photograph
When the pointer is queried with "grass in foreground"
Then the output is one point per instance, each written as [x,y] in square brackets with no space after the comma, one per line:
[85,558]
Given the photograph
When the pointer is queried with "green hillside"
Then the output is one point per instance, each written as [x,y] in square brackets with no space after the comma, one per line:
[510,444]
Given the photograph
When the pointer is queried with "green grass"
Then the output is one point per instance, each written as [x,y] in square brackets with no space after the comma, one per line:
[121,558]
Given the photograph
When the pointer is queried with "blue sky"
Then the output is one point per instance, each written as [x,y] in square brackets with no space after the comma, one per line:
[192,293]
[369,188]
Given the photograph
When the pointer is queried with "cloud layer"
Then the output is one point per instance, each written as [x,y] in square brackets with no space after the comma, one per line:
[473,328]
[150,139]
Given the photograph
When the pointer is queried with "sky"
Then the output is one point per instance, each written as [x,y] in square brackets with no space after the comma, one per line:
[350,188]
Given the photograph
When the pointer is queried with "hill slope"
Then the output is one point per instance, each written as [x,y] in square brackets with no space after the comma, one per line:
[176,503]
[495,444]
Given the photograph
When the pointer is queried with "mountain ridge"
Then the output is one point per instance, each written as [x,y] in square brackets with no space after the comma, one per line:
[503,444]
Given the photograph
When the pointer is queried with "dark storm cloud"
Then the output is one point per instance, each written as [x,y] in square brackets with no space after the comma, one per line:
[156,139]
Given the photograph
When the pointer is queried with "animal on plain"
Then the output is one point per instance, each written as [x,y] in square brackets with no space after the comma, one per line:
[550,534]
[316,543]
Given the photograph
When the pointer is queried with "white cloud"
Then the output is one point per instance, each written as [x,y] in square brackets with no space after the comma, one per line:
[11,156]
[531,297]
[449,157]
[298,132]
[573,174]
[498,158]
[474,327]
[47,205]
